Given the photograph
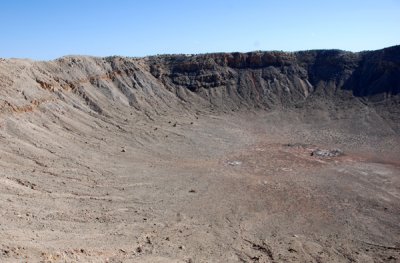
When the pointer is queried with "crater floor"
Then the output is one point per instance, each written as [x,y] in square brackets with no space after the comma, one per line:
[237,187]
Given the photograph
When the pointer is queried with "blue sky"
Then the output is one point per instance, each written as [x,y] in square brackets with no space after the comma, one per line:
[47,29]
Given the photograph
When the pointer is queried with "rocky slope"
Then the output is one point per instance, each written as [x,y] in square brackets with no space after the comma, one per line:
[225,81]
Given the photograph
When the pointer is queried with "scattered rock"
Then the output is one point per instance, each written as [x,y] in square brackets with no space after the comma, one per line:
[235,163]
[148,241]
[327,153]
[192,191]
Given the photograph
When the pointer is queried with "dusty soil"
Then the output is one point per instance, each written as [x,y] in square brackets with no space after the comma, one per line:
[237,187]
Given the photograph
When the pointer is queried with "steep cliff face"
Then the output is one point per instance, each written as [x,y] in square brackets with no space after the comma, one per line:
[222,80]
[233,80]
[267,79]
[378,73]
